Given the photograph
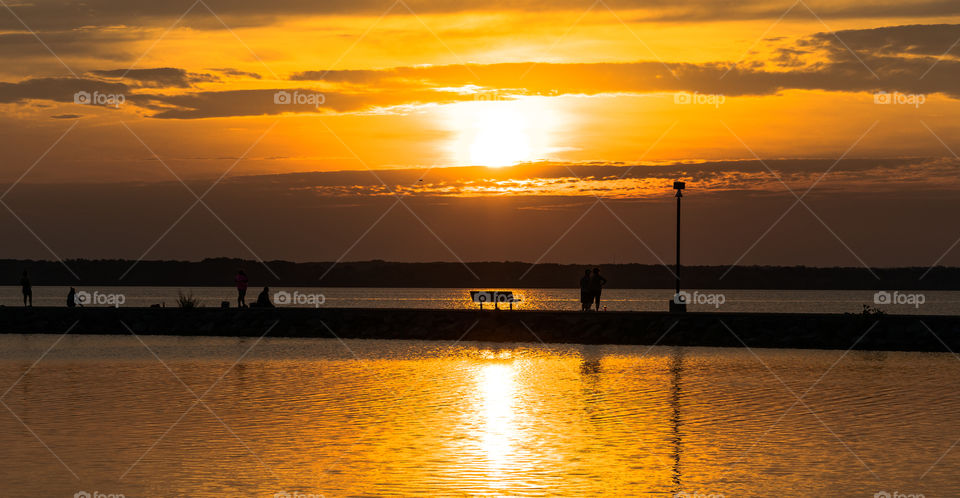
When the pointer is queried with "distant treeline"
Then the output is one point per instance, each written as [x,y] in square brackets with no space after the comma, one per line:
[221,271]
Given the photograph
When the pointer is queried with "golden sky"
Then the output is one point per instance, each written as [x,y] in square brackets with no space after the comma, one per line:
[138,92]
[437,84]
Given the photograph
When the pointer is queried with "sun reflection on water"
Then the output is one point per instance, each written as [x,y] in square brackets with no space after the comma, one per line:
[497,385]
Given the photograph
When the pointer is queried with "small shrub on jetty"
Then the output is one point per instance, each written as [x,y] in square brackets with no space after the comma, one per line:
[187,300]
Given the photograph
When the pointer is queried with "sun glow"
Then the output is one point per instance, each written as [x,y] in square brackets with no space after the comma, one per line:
[501,132]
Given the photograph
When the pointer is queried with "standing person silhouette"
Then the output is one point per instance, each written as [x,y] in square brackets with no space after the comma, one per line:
[26,288]
[596,287]
[241,280]
[586,298]
[72,298]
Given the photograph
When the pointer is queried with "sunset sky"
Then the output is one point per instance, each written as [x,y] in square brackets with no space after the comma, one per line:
[476,131]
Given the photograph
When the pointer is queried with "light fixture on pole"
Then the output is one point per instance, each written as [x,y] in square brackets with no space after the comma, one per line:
[679,302]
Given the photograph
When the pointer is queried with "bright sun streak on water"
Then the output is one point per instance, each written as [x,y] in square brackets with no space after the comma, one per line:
[501,133]
[497,386]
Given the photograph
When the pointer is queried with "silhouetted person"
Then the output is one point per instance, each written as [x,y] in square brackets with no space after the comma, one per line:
[596,286]
[26,288]
[263,300]
[585,297]
[241,281]
[72,298]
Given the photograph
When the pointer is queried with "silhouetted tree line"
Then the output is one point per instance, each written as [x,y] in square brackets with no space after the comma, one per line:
[220,272]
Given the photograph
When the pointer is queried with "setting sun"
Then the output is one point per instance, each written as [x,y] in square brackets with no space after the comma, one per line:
[501,138]
[501,133]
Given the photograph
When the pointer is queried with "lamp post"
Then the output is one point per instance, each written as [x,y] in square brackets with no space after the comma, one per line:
[679,303]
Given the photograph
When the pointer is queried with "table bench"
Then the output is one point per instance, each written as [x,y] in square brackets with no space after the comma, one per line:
[495,297]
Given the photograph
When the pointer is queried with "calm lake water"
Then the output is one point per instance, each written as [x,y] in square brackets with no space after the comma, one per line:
[323,417]
[934,302]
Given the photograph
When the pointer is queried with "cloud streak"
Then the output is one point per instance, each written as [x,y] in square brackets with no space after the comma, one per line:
[157,77]
[895,58]
[57,15]
[629,181]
